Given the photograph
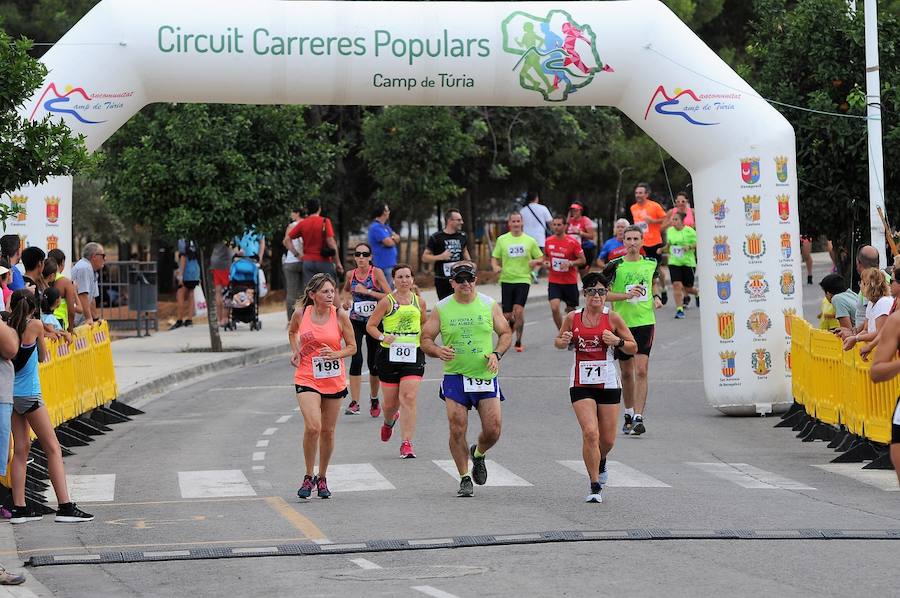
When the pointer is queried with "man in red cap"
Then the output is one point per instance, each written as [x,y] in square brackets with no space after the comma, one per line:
[582,229]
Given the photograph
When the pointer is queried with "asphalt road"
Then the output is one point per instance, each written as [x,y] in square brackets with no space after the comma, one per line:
[695,469]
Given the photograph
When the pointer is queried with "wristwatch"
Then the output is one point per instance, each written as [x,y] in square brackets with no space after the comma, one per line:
[499,357]
[381,338]
[621,343]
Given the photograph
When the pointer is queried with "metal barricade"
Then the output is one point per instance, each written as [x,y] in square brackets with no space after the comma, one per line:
[128,296]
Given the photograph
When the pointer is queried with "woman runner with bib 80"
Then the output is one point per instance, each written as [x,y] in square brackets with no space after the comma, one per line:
[315,334]
[401,362]
[364,286]
[595,390]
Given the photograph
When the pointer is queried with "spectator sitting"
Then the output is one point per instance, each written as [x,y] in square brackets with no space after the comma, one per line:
[50,301]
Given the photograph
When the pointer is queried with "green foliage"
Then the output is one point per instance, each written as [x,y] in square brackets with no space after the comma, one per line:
[30,151]
[43,20]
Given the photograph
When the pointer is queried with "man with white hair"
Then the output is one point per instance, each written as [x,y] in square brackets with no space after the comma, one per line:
[614,246]
[84,275]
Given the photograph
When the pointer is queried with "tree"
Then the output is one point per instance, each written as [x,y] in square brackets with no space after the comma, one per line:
[43,20]
[30,151]
[206,172]
[410,152]
[812,54]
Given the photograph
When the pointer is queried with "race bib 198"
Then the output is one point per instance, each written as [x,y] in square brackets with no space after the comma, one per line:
[478,385]
[448,267]
[364,308]
[559,264]
[643,296]
[516,251]
[326,367]
[402,353]
[594,372]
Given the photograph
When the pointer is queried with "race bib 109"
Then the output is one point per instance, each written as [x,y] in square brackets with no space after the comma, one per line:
[326,367]
[479,385]
[364,308]
[402,353]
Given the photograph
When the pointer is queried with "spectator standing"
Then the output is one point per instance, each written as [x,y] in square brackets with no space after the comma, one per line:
[384,242]
[444,249]
[9,346]
[319,245]
[537,219]
[188,276]
[68,304]
[4,282]
[886,366]
[866,257]
[84,275]
[292,263]
[581,228]
[843,299]
[220,264]
[11,249]
[33,262]
[648,215]
[251,244]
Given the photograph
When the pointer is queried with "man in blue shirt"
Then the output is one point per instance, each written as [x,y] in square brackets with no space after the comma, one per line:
[614,246]
[384,241]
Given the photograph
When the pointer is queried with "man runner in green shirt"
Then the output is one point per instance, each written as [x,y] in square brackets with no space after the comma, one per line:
[467,321]
[635,296]
[681,243]
[514,255]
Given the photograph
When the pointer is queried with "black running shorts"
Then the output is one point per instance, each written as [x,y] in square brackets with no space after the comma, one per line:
[643,336]
[895,424]
[682,274]
[338,395]
[564,292]
[601,396]
[392,373]
[513,293]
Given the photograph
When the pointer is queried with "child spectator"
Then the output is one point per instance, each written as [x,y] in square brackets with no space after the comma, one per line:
[49,304]
[29,413]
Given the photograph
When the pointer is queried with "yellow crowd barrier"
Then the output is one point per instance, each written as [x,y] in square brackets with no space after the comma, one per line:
[834,387]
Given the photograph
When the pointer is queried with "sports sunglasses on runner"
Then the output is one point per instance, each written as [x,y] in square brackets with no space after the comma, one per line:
[597,291]
[462,277]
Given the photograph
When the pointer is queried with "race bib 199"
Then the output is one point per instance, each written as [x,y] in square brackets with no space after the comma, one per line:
[559,264]
[643,296]
[516,251]
[448,267]
[677,251]
[326,367]
[402,353]
[479,385]
[364,308]
[595,372]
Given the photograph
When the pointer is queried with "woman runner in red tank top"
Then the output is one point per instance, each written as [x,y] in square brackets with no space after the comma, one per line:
[595,389]
[315,333]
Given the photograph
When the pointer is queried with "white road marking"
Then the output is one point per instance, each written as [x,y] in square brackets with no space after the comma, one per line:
[883,479]
[436,593]
[219,389]
[497,474]
[365,564]
[88,488]
[620,475]
[259,468]
[76,557]
[167,553]
[214,484]
[262,443]
[259,456]
[269,431]
[356,477]
[747,476]
[283,419]
[255,550]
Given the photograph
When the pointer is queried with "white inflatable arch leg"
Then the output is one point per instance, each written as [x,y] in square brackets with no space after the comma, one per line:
[634,55]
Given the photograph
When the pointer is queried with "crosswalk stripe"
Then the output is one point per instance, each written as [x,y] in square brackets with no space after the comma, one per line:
[747,476]
[620,475]
[497,474]
[88,488]
[356,477]
[214,484]
[883,479]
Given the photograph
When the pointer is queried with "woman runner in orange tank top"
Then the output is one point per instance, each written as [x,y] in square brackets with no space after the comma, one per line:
[595,389]
[315,333]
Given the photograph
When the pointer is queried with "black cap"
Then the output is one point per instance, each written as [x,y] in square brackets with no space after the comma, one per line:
[461,268]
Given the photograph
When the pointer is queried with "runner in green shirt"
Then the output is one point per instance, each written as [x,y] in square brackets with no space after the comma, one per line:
[467,322]
[635,296]
[514,255]
[681,245]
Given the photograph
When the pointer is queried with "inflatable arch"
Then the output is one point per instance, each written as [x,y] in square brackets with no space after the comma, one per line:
[635,55]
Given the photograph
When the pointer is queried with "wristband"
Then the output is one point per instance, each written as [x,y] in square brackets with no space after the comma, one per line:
[621,343]
[499,357]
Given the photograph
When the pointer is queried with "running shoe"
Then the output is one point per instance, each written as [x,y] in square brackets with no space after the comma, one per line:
[322,487]
[188,323]
[479,470]
[679,314]
[604,475]
[177,324]
[352,408]
[534,277]
[387,430]
[686,302]
[809,280]
[595,495]
[25,514]
[375,408]
[638,428]
[697,300]
[406,450]
[664,297]
[626,429]
[306,488]
[519,347]
[8,578]
[466,488]
[70,513]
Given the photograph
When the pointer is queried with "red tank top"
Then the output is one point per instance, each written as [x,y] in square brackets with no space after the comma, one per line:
[326,375]
[595,362]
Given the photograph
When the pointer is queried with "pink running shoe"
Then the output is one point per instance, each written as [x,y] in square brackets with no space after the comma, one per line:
[375,408]
[406,450]
[387,430]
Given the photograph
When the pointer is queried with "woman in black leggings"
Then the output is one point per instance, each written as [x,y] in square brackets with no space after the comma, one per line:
[364,286]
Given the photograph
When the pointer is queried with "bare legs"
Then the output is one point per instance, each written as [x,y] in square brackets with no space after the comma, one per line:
[39,421]
[458,418]
[319,420]
[634,382]
[598,431]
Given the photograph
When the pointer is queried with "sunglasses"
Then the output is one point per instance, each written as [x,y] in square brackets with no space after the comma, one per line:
[596,292]
[363,254]
[462,278]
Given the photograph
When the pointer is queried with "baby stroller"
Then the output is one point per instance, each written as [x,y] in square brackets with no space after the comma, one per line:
[242,294]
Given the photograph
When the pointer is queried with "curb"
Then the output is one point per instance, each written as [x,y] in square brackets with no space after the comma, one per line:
[168,381]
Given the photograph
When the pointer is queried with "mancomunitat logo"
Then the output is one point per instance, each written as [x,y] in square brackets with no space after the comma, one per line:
[558,56]
[78,104]
[696,108]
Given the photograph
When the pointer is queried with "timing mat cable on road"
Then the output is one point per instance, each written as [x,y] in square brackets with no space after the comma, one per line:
[628,535]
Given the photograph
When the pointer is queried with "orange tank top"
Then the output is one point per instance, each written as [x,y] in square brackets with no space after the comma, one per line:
[326,375]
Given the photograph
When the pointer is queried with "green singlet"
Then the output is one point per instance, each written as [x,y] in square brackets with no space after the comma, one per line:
[639,311]
[62,312]
[469,329]
[403,321]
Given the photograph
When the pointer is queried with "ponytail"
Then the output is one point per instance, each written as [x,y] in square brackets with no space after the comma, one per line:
[21,307]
